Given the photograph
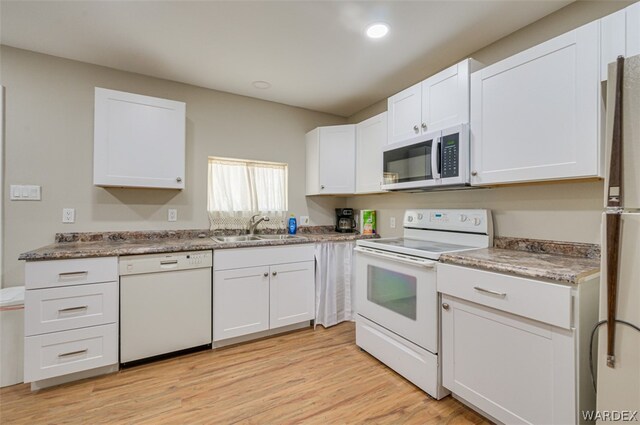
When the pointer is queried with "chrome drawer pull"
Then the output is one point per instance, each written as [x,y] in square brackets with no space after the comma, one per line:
[70,309]
[165,263]
[73,353]
[73,274]
[489,291]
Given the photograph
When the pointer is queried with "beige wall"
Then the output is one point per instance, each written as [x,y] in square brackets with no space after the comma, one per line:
[49,142]
[566,211]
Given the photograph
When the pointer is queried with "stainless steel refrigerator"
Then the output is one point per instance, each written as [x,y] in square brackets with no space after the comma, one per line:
[618,387]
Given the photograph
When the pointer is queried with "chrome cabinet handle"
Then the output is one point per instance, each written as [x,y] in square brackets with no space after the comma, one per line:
[274,274]
[415,128]
[474,173]
[73,353]
[266,274]
[445,306]
[424,125]
[489,291]
[321,186]
[179,179]
[70,309]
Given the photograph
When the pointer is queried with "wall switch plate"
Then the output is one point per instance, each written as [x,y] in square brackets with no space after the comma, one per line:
[172,215]
[68,215]
[22,192]
[392,222]
[304,220]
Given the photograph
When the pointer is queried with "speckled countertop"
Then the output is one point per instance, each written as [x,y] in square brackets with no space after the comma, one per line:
[556,261]
[109,244]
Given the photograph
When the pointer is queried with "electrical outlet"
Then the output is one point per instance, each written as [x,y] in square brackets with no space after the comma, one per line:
[68,215]
[304,220]
[172,214]
[392,222]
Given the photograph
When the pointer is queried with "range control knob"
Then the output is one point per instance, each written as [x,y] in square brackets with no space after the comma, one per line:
[410,218]
[420,216]
[463,218]
[476,221]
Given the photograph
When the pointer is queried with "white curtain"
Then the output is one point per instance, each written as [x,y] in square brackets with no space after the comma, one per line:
[239,189]
[335,283]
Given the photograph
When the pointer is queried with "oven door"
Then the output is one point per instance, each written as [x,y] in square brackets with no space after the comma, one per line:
[398,292]
[412,164]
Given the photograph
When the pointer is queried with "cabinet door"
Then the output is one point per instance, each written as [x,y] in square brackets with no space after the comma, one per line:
[240,302]
[536,115]
[612,40]
[633,29]
[139,141]
[405,114]
[337,159]
[445,98]
[371,137]
[517,370]
[292,293]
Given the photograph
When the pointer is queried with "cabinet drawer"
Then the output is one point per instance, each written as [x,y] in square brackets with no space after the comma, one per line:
[61,353]
[70,307]
[46,274]
[537,300]
[226,259]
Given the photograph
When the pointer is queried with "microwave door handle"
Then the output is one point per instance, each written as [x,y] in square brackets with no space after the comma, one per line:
[435,158]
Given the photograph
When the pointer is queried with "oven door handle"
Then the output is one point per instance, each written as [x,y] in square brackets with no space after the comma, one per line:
[419,262]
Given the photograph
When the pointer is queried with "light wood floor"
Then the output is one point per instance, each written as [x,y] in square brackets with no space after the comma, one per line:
[316,377]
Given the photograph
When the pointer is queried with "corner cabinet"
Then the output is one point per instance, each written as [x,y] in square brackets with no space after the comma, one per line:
[331,160]
[439,102]
[536,115]
[139,141]
[260,289]
[371,137]
[620,36]
[517,349]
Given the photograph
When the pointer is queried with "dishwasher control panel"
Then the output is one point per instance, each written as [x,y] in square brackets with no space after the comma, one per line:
[155,263]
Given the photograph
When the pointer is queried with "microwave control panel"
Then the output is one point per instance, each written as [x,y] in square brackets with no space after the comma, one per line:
[450,155]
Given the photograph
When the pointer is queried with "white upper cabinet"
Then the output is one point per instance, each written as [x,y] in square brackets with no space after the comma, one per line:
[331,160]
[139,141]
[405,114]
[620,35]
[536,115]
[371,137]
[439,102]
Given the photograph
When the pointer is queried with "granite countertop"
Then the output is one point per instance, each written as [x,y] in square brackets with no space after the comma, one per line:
[556,261]
[109,244]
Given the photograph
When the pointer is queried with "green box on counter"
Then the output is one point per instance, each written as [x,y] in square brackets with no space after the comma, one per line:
[368,222]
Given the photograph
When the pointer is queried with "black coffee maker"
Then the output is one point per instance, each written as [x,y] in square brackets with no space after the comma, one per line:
[345,221]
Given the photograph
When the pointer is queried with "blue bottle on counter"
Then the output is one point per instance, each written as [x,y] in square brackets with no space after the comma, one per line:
[293,225]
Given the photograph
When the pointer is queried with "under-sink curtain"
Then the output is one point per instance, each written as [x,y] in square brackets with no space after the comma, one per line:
[335,282]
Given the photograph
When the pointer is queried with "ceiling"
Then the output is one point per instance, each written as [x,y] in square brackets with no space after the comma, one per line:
[314,53]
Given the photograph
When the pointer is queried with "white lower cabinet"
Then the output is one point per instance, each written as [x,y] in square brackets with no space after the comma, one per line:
[239,306]
[259,289]
[506,364]
[71,318]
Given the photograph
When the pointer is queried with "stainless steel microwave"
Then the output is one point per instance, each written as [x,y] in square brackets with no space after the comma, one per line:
[429,161]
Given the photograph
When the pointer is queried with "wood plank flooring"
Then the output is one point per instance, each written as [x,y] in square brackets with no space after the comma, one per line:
[311,377]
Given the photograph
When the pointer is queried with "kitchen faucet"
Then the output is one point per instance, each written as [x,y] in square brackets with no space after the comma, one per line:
[253,223]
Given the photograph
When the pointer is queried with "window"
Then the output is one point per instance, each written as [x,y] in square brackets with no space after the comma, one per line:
[240,188]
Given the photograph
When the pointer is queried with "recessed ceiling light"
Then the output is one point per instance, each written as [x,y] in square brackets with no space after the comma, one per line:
[377,30]
[262,85]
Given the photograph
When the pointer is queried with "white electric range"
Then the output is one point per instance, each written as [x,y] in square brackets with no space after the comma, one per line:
[396,295]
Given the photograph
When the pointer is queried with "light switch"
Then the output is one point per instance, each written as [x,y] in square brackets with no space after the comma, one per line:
[20,192]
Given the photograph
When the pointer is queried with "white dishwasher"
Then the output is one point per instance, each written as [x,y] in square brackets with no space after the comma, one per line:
[165,304]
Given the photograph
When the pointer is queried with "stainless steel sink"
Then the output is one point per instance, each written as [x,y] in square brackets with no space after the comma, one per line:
[242,238]
[279,237]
